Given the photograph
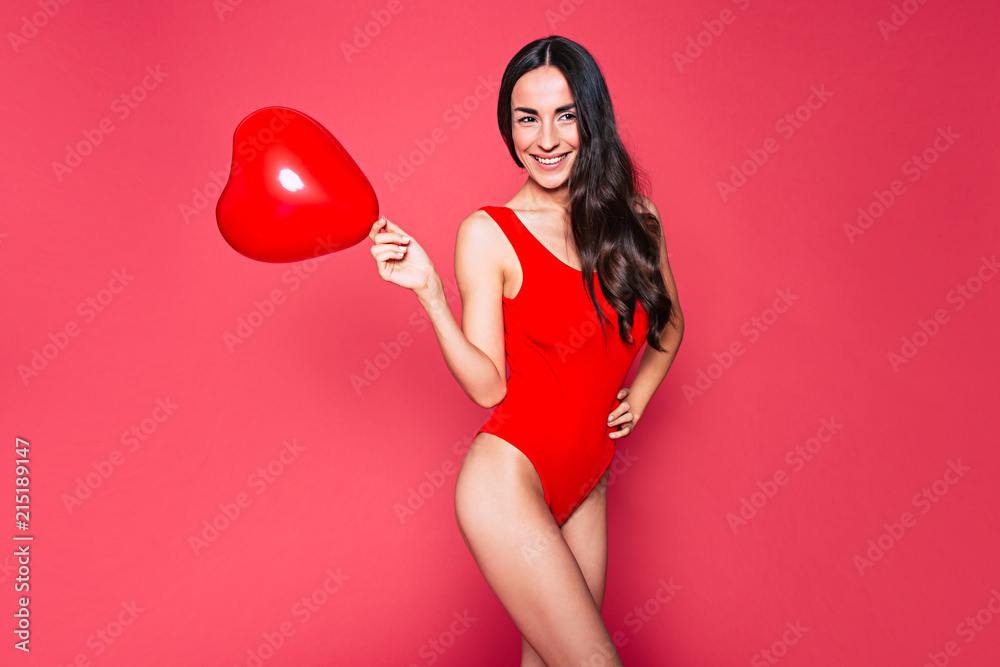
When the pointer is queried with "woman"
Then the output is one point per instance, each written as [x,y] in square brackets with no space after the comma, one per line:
[575,252]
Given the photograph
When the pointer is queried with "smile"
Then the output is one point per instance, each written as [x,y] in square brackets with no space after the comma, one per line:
[554,160]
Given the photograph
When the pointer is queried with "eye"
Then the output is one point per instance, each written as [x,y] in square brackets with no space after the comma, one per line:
[569,115]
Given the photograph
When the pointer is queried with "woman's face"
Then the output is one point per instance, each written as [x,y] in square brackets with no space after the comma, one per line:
[544,125]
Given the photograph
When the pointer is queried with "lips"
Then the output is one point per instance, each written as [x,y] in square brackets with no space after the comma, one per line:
[550,160]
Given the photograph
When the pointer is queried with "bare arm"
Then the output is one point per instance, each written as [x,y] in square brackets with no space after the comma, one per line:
[654,364]
[475,353]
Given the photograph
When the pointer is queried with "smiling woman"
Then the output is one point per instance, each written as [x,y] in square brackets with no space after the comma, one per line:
[577,250]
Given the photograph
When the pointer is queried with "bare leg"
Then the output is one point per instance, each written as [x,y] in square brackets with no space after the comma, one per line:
[586,533]
[524,557]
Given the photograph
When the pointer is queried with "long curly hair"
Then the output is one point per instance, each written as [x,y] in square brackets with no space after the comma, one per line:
[612,237]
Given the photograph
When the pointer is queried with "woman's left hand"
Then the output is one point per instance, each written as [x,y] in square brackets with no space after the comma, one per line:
[621,417]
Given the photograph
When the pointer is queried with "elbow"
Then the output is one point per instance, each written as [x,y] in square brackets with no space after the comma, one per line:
[492,400]
[673,333]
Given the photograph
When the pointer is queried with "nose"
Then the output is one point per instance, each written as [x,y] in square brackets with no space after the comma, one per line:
[548,139]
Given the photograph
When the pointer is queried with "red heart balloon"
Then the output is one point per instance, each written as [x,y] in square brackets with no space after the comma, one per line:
[293,191]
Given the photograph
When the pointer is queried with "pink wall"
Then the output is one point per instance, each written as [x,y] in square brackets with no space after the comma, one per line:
[857,421]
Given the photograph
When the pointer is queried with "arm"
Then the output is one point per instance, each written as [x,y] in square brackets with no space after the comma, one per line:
[475,353]
[654,364]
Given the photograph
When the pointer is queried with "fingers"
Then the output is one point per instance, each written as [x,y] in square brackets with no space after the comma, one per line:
[383,226]
[380,235]
[386,224]
[387,251]
[621,416]
[619,411]
[622,433]
[389,245]
[391,238]
[620,419]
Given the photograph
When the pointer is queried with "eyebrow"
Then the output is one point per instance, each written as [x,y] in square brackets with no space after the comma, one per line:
[534,111]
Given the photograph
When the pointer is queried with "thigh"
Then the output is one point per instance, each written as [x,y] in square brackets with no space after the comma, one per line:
[513,537]
[586,533]
[498,498]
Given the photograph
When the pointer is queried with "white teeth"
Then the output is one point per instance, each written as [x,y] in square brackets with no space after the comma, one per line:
[549,161]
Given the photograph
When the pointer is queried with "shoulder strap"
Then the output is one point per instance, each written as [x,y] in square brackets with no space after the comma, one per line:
[513,229]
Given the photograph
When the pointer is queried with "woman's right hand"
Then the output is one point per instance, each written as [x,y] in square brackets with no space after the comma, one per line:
[400,259]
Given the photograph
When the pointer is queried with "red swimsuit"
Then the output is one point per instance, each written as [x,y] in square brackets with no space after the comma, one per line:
[563,381]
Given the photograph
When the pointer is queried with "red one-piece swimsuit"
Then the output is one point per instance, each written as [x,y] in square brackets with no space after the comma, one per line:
[564,378]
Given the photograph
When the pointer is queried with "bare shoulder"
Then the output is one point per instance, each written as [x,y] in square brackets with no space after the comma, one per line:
[645,204]
[479,248]
[477,224]
[478,236]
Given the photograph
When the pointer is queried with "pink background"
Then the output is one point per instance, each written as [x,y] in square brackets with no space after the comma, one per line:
[136,204]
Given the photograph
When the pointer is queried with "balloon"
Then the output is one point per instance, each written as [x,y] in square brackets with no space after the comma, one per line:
[293,191]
